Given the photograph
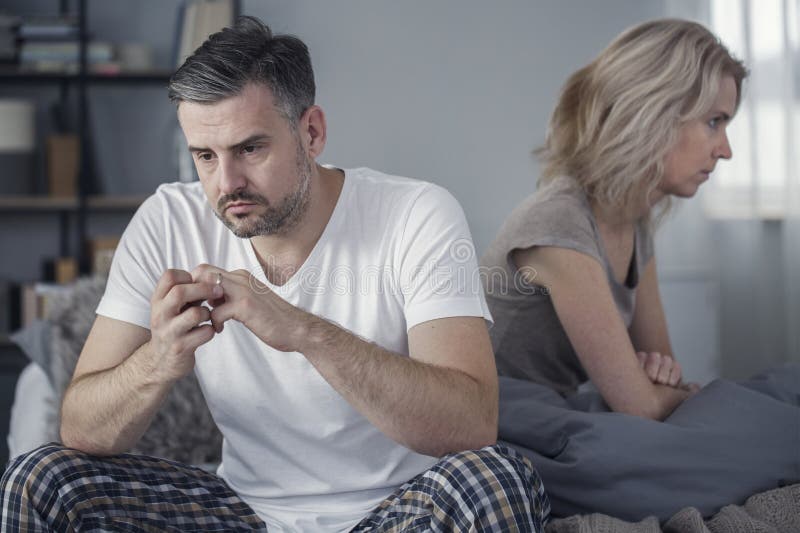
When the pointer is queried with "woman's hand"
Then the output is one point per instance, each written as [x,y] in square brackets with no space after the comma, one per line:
[662,369]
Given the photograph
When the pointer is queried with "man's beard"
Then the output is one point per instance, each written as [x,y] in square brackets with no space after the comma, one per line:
[277,219]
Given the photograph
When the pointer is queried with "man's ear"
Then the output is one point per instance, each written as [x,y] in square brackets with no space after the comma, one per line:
[313,130]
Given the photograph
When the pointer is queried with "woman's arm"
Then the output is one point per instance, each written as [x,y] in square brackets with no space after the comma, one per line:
[585,307]
[648,330]
[649,333]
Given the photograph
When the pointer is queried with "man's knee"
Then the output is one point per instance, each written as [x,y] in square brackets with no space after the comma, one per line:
[40,466]
[510,468]
[495,473]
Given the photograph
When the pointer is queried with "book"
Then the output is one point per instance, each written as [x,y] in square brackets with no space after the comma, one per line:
[65,51]
[46,28]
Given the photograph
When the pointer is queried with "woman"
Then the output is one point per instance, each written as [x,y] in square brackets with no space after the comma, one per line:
[643,122]
[578,298]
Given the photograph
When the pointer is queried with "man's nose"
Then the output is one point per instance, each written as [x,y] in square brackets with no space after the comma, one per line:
[231,176]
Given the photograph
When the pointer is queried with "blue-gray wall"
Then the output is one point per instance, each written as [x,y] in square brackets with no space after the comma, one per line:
[457,92]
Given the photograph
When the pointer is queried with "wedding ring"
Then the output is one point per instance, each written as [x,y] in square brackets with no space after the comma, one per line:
[219,279]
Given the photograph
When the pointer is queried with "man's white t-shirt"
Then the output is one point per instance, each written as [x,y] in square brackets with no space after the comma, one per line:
[396,252]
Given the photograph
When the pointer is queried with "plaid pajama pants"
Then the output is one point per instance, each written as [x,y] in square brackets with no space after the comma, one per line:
[58,489]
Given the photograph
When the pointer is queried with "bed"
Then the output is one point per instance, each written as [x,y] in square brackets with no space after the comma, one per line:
[603,471]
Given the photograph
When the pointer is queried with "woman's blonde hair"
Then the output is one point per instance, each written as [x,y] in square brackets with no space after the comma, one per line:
[617,117]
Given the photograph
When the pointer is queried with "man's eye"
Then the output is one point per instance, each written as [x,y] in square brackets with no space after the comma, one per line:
[249,149]
[205,156]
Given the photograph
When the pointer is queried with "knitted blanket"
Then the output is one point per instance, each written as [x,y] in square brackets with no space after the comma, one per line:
[776,510]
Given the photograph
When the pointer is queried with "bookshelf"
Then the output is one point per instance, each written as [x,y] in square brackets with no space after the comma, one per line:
[74,211]
[45,226]
[42,226]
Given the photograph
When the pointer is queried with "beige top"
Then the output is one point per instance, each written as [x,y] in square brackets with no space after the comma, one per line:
[528,338]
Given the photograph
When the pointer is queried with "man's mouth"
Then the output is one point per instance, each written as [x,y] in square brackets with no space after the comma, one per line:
[239,207]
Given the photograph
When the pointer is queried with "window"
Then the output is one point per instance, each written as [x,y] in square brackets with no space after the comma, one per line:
[764,137]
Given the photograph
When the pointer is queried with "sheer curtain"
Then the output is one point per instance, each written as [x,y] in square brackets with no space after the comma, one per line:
[742,234]
[763,186]
[792,247]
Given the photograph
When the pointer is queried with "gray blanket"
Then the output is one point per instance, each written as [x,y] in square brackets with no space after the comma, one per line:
[724,444]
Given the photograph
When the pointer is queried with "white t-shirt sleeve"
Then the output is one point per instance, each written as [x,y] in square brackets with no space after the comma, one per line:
[137,266]
[438,264]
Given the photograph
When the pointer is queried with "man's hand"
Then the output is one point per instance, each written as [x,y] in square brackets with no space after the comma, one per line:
[125,371]
[176,315]
[272,319]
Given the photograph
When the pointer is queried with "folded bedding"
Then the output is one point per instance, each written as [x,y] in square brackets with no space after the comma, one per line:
[729,441]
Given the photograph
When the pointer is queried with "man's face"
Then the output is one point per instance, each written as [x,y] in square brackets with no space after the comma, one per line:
[253,167]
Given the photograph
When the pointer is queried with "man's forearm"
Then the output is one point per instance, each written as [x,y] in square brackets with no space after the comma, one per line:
[432,410]
[106,412]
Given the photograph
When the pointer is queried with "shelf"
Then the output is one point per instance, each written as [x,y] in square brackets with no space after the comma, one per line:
[93,203]
[122,78]
[37,203]
[119,202]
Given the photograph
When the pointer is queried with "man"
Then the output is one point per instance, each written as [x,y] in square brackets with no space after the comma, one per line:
[342,348]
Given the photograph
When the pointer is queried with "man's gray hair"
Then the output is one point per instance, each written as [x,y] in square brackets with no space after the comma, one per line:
[245,53]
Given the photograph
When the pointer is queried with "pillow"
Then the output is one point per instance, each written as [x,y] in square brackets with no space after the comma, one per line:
[33,413]
[182,430]
[34,395]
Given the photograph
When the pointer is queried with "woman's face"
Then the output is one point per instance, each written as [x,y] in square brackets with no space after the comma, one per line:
[701,142]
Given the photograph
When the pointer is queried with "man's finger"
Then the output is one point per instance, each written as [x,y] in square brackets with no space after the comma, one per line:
[188,293]
[169,279]
[207,274]
[199,335]
[221,314]
[191,318]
